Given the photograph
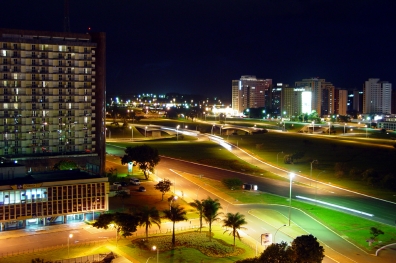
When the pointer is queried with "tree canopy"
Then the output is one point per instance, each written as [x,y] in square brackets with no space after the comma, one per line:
[211,212]
[306,249]
[176,213]
[163,186]
[143,156]
[65,165]
[235,222]
[124,223]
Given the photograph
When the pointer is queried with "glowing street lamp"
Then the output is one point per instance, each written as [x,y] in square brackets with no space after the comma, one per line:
[145,131]
[366,130]
[291,175]
[130,127]
[68,246]
[154,249]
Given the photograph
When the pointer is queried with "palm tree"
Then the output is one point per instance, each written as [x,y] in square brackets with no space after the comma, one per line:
[211,212]
[235,222]
[176,213]
[197,204]
[148,217]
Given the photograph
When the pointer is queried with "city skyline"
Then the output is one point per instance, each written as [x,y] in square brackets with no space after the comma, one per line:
[200,47]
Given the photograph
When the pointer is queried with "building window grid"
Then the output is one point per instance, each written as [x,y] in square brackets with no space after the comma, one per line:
[53,201]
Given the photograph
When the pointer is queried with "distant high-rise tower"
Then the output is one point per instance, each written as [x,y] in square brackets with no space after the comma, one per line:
[322,94]
[377,97]
[341,102]
[249,92]
[52,96]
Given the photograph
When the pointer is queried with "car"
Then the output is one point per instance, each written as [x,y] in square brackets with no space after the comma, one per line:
[142,189]
[117,183]
[134,181]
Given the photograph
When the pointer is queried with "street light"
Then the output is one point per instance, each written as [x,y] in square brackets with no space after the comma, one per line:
[171,199]
[366,131]
[177,132]
[277,157]
[316,194]
[344,127]
[329,128]
[291,175]
[313,127]
[211,132]
[314,161]
[68,247]
[145,131]
[273,241]
[156,248]
[130,127]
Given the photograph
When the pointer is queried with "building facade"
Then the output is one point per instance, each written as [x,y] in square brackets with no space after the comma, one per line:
[341,101]
[49,198]
[249,92]
[377,97]
[52,94]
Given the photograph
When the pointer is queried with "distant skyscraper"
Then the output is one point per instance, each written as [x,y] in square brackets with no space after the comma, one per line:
[377,97]
[249,92]
[295,101]
[341,101]
[52,96]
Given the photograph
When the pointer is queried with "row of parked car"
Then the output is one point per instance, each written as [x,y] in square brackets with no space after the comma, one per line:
[132,181]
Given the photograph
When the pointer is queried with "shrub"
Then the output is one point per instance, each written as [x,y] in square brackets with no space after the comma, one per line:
[232,183]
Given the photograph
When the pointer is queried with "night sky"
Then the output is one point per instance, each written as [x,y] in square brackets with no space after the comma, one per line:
[198,47]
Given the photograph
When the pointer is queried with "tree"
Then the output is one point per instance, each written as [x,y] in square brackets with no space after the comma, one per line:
[375,232]
[122,222]
[235,222]
[176,213]
[65,165]
[232,183]
[148,217]
[277,253]
[306,249]
[144,156]
[211,212]
[163,186]
[197,204]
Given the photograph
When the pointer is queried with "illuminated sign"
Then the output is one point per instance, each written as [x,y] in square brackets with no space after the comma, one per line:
[279,84]
[306,99]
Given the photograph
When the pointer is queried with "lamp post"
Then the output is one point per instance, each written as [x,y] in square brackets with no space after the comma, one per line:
[277,157]
[316,194]
[145,131]
[314,161]
[291,175]
[130,127]
[366,131]
[211,132]
[273,241]
[329,128]
[156,248]
[171,199]
[177,132]
[313,127]
[68,246]
[344,127]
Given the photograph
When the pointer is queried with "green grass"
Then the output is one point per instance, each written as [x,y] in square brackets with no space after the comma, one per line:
[352,228]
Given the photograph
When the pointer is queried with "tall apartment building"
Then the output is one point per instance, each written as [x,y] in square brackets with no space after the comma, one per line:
[295,101]
[377,97]
[341,102]
[249,92]
[322,94]
[52,96]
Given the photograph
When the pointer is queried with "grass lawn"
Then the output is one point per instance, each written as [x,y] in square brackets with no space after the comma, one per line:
[352,228]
